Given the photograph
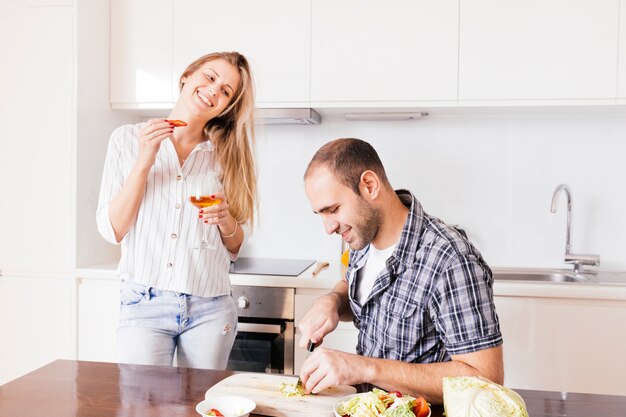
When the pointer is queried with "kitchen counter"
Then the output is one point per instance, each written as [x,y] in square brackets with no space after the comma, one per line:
[67,388]
[327,278]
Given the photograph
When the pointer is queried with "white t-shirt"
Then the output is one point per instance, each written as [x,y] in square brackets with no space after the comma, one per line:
[376,262]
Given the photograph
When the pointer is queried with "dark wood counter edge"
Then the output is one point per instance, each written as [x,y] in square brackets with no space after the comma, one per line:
[97,389]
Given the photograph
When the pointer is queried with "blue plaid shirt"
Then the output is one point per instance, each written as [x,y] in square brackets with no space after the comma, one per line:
[434,298]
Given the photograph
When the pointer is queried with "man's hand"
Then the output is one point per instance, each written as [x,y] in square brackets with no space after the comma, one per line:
[320,320]
[327,367]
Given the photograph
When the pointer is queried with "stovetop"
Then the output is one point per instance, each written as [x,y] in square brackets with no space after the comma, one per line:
[267,266]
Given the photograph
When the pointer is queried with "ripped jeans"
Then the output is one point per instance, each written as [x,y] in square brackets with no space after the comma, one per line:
[155,323]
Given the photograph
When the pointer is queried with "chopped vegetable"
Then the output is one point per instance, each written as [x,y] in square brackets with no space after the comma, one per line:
[292,390]
[475,396]
[214,412]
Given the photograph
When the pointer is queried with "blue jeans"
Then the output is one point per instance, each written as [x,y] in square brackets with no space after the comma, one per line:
[155,323]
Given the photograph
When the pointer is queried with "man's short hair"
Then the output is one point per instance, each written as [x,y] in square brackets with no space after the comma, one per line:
[347,159]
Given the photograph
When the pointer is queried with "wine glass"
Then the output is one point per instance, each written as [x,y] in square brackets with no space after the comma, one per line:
[200,189]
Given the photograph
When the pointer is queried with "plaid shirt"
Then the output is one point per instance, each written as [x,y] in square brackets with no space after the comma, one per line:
[434,299]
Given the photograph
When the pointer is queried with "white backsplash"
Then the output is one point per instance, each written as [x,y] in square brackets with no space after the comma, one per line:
[492,174]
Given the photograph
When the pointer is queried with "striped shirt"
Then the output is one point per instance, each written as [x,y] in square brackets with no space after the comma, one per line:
[433,299]
[159,249]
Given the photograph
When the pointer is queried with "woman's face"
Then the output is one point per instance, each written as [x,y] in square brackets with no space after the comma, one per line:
[209,90]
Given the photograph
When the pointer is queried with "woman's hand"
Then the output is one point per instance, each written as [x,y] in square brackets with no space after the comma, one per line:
[218,214]
[150,137]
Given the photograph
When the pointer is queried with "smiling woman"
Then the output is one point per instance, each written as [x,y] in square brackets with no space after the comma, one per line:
[176,294]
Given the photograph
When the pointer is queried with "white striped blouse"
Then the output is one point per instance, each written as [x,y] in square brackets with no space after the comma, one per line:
[160,248]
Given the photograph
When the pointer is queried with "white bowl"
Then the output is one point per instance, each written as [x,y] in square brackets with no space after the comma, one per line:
[229,405]
[347,398]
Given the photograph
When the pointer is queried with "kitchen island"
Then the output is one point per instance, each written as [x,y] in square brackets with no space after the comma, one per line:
[97,389]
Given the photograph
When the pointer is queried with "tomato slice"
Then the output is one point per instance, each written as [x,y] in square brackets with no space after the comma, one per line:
[176,123]
[421,408]
[214,412]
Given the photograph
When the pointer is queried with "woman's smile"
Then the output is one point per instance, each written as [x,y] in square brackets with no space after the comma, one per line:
[205,99]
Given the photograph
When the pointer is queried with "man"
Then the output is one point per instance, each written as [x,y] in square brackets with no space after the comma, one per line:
[417,290]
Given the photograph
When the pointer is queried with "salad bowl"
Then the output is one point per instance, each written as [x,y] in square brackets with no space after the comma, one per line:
[347,399]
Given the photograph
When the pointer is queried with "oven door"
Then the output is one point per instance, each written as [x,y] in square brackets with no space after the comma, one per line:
[263,347]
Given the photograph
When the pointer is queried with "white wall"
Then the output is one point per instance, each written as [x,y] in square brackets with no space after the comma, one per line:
[493,174]
[95,122]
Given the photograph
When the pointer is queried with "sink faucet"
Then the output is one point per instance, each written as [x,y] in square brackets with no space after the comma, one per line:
[570,258]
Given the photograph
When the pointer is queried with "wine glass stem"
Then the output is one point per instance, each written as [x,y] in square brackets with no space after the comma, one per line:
[205,235]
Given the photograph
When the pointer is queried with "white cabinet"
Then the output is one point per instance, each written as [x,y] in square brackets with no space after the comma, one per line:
[399,52]
[621,75]
[564,344]
[344,338]
[145,66]
[538,50]
[37,323]
[141,54]
[274,35]
[98,313]
[37,143]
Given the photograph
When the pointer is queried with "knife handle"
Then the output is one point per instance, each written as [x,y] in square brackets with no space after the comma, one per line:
[310,347]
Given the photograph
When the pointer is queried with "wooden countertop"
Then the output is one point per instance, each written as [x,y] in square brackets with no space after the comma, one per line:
[67,388]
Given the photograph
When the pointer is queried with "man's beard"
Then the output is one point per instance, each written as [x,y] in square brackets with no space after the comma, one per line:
[367,228]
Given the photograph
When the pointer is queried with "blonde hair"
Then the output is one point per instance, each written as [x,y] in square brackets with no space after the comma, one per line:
[232,133]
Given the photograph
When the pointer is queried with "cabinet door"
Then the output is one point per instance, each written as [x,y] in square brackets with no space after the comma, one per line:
[568,345]
[37,142]
[141,53]
[36,323]
[98,313]
[374,52]
[621,74]
[538,50]
[273,34]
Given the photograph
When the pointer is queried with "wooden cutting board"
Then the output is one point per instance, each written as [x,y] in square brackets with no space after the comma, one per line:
[264,390]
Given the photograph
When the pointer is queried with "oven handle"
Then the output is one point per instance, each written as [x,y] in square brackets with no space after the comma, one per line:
[259,328]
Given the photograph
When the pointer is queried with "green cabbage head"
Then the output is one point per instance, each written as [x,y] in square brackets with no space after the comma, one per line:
[468,396]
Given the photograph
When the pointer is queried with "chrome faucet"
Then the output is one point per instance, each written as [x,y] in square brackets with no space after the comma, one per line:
[570,258]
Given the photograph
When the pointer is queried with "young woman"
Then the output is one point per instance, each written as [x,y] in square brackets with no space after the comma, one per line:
[175,293]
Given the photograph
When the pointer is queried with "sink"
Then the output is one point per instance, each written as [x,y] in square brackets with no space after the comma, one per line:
[593,277]
[541,277]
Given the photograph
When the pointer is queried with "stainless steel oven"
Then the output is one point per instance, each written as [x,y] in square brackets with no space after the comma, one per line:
[265,330]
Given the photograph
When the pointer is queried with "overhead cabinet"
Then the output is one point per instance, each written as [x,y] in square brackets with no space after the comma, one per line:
[141,53]
[400,52]
[538,50]
[152,44]
[366,54]
[274,35]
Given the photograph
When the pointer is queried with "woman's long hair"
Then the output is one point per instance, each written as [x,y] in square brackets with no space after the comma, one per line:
[232,133]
